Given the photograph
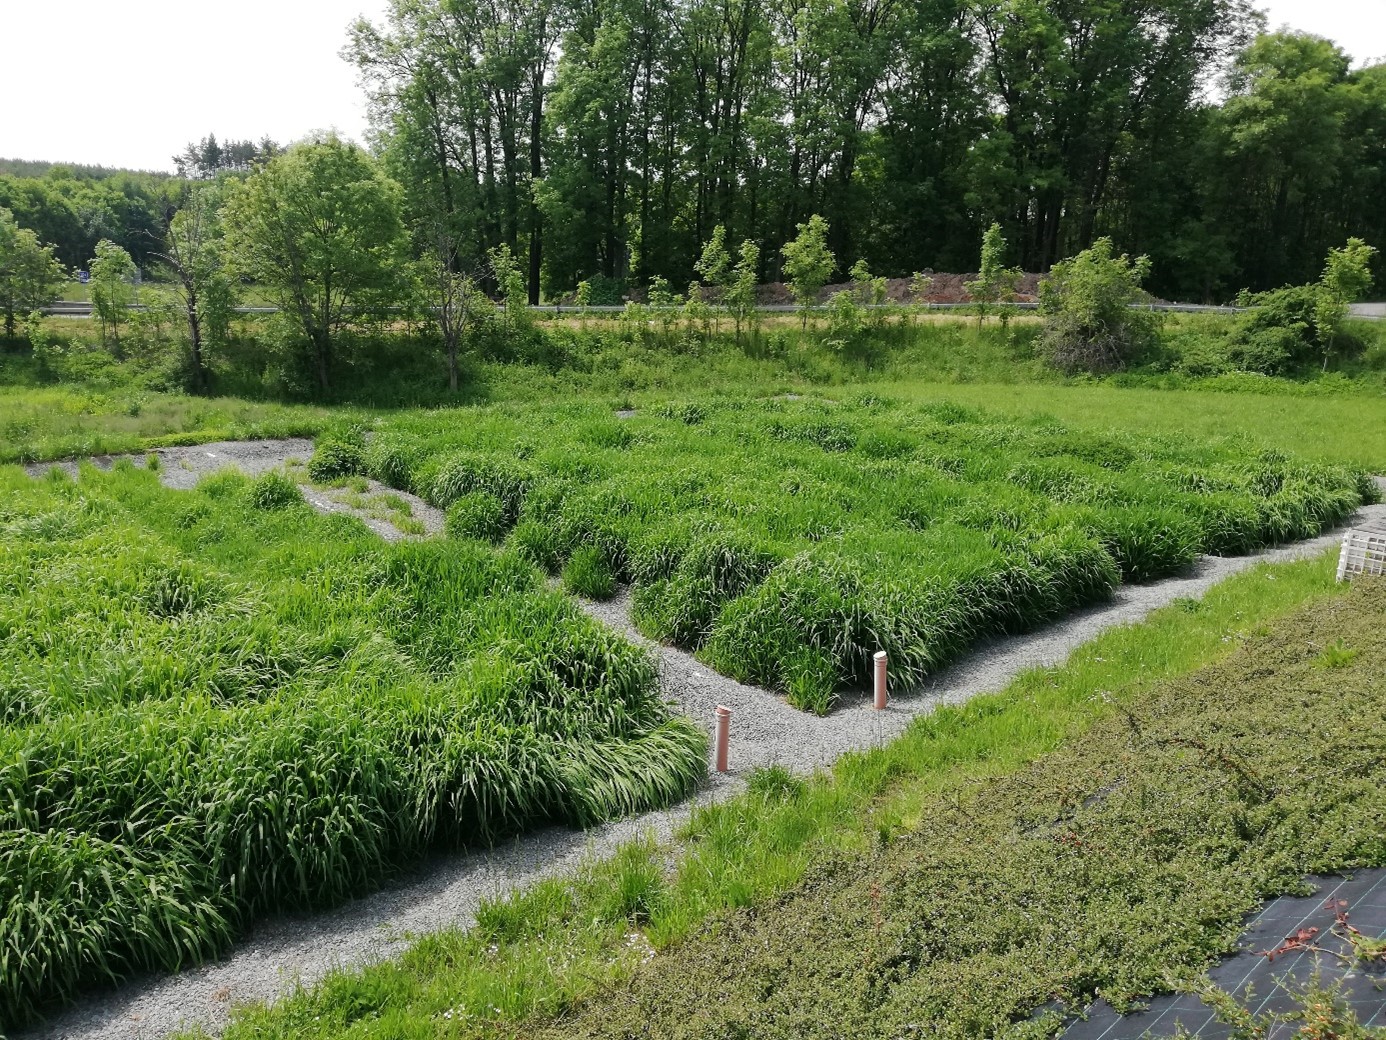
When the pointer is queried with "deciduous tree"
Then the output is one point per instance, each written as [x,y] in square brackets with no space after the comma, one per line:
[30,278]
[319,229]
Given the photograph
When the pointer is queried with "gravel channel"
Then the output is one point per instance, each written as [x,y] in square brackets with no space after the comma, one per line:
[284,952]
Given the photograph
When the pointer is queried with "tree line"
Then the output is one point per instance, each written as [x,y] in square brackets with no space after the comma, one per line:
[604,140]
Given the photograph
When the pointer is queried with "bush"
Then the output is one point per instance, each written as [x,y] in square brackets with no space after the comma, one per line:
[1089,324]
[478,515]
[273,490]
[588,573]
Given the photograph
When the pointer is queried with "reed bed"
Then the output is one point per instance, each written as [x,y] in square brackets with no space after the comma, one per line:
[218,704]
[785,541]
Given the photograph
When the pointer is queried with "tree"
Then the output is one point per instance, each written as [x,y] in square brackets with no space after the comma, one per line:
[30,278]
[995,282]
[1347,275]
[319,229]
[1089,323]
[808,263]
[193,251]
[741,294]
[453,295]
[112,289]
[714,266]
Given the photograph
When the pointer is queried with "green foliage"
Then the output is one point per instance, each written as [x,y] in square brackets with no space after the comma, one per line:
[318,228]
[740,296]
[788,541]
[808,263]
[587,573]
[247,710]
[338,455]
[1089,322]
[274,490]
[477,514]
[30,278]
[1346,278]
[112,289]
[995,282]
[715,264]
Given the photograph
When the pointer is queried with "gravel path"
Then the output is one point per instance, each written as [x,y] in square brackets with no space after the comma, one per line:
[282,952]
[183,468]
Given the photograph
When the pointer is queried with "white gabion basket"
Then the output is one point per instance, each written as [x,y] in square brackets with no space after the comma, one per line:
[1364,552]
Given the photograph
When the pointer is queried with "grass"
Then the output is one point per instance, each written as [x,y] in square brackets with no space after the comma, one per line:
[1123,860]
[623,930]
[57,422]
[786,541]
[218,704]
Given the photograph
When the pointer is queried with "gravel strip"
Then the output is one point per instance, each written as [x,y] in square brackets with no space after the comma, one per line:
[183,468]
[281,953]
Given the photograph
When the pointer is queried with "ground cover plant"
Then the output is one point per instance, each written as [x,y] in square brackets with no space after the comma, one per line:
[1119,863]
[786,541]
[218,703]
[542,952]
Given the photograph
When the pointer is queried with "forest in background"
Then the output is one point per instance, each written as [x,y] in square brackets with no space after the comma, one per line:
[605,141]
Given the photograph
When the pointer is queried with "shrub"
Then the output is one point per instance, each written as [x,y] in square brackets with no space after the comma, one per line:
[1089,324]
[587,573]
[273,490]
[478,515]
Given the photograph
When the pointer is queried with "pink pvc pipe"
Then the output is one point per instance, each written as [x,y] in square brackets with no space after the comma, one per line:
[723,736]
[882,694]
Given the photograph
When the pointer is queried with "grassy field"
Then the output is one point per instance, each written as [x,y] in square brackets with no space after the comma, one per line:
[217,704]
[224,661]
[786,541]
[647,932]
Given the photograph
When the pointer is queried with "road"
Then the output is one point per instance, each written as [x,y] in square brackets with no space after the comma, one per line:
[71,309]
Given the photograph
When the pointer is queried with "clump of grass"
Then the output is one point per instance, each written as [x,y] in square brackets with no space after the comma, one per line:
[478,515]
[786,541]
[242,710]
[1337,654]
[587,573]
[273,490]
[337,456]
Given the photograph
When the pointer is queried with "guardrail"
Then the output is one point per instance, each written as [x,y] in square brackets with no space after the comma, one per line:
[1370,312]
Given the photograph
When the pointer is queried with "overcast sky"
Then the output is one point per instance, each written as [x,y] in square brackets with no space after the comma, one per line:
[128,84]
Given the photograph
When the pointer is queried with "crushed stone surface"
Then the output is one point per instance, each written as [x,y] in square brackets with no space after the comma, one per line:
[183,467]
[284,952]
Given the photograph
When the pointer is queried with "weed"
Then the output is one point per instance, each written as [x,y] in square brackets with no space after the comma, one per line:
[1337,655]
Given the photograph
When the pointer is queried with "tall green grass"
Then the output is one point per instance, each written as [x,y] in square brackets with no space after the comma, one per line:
[537,955]
[786,541]
[217,704]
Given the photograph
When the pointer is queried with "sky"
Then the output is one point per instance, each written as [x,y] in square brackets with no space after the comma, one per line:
[129,84]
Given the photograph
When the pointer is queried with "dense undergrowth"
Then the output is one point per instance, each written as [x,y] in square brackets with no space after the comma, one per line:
[786,541]
[577,943]
[217,704]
